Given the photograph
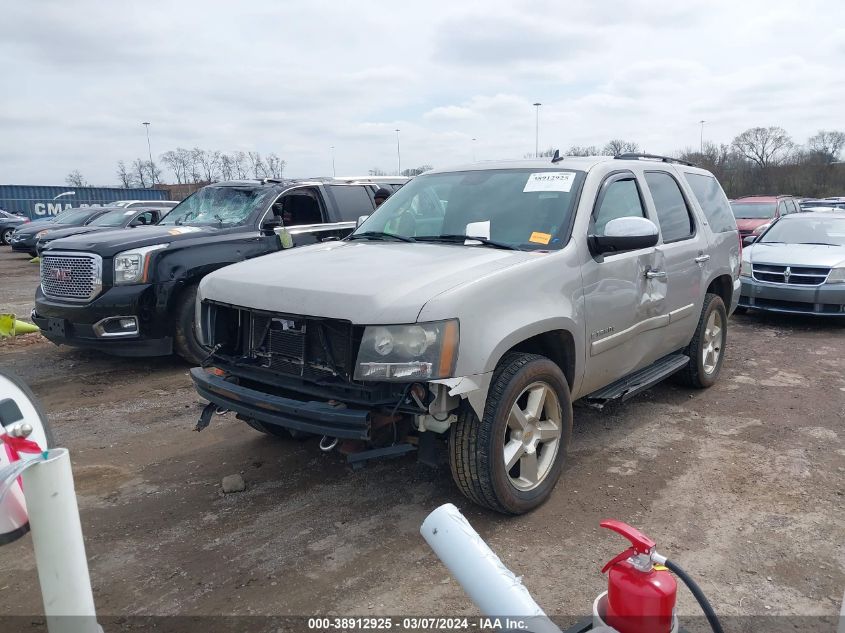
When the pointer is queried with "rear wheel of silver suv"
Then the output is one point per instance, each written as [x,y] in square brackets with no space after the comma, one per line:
[511,460]
[707,347]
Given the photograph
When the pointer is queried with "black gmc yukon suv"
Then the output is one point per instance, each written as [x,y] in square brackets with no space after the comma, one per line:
[132,292]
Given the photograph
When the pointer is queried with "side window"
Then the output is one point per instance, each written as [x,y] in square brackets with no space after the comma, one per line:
[792,207]
[675,219]
[713,202]
[298,207]
[146,218]
[352,201]
[619,199]
[782,208]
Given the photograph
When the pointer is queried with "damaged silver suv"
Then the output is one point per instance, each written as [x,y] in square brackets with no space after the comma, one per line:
[472,308]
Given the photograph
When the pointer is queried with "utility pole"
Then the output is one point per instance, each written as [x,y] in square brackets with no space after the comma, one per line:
[537,130]
[334,173]
[473,150]
[146,124]
[701,141]
[398,154]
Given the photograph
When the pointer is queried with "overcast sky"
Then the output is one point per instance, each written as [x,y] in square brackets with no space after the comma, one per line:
[296,78]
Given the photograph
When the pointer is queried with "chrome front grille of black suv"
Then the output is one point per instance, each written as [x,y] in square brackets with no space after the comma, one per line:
[71,276]
[309,348]
[798,275]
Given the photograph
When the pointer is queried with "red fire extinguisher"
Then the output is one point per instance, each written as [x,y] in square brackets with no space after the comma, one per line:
[640,594]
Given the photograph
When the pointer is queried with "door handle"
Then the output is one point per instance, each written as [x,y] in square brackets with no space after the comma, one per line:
[655,274]
[702,258]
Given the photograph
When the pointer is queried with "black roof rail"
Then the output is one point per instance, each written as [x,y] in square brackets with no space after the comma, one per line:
[664,159]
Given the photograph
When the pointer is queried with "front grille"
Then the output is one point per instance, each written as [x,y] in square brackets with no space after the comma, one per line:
[796,275]
[310,348]
[76,277]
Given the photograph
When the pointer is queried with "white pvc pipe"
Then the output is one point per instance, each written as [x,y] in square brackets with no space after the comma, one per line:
[486,580]
[59,548]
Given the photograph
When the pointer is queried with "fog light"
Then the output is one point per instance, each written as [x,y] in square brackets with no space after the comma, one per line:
[112,327]
[127,324]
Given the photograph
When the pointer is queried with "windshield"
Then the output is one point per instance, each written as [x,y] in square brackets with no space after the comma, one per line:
[754,210]
[69,217]
[520,208]
[221,206]
[113,218]
[798,230]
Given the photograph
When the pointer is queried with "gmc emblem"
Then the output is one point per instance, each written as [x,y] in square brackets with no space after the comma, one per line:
[60,274]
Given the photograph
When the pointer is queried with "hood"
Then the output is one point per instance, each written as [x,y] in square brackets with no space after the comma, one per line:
[746,225]
[363,282]
[796,254]
[109,242]
[32,228]
[57,234]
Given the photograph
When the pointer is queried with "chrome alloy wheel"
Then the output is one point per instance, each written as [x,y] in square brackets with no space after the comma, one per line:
[714,333]
[532,436]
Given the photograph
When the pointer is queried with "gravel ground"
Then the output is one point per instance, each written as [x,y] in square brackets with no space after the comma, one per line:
[742,484]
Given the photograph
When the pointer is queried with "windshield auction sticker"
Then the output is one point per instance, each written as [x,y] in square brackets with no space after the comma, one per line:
[550,181]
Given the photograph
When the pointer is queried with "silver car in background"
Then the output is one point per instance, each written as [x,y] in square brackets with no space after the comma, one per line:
[797,266]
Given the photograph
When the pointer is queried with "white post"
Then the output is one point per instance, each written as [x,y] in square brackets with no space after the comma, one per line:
[59,548]
[488,583]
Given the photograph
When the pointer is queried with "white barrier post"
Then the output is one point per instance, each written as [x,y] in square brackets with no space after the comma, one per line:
[486,580]
[59,548]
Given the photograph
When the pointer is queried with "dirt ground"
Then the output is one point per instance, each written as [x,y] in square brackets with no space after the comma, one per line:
[742,484]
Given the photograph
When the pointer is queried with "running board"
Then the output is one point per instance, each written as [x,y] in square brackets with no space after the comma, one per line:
[640,380]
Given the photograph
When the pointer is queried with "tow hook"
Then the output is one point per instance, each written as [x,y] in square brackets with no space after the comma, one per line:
[205,417]
[328,444]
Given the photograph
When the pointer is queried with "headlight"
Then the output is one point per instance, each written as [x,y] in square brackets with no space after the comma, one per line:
[131,267]
[745,268]
[422,351]
[836,276]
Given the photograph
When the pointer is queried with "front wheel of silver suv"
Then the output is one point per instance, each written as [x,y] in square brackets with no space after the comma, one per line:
[706,350]
[511,459]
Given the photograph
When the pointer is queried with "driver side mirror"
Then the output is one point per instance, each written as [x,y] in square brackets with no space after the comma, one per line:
[748,240]
[624,234]
[270,224]
[361,220]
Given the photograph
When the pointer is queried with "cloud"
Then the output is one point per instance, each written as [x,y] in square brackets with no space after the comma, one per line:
[80,78]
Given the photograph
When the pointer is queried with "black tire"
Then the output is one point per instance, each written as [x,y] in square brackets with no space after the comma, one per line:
[6,236]
[185,338]
[476,447]
[277,431]
[695,374]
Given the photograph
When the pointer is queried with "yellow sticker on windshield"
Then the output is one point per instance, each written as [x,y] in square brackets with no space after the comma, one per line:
[540,238]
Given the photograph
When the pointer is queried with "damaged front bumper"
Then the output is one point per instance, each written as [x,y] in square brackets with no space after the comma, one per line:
[319,418]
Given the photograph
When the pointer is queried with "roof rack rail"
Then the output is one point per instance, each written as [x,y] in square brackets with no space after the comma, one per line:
[664,159]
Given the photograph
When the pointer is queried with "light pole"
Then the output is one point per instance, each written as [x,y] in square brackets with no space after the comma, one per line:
[537,130]
[473,150]
[701,141]
[146,124]
[398,154]
[334,173]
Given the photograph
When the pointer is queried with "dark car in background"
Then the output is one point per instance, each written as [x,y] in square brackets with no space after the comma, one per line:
[754,212]
[797,266]
[8,223]
[132,293]
[24,238]
[119,218]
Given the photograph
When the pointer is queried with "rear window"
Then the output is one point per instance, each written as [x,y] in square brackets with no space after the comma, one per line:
[754,210]
[713,202]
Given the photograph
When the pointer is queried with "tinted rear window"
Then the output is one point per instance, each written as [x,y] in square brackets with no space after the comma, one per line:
[352,201]
[713,201]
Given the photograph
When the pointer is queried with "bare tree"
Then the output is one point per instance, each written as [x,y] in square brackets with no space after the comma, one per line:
[618,146]
[140,172]
[377,171]
[172,160]
[416,171]
[259,169]
[76,179]
[209,162]
[153,172]
[550,151]
[195,159]
[583,150]
[227,167]
[274,166]
[764,146]
[828,144]
[124,176]
[240,164]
